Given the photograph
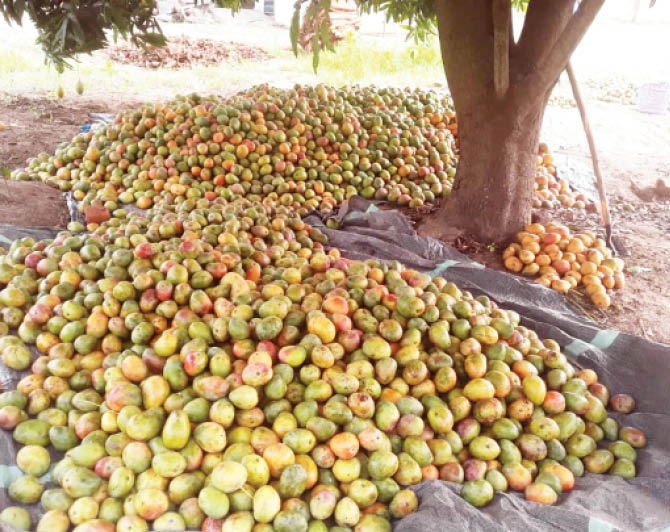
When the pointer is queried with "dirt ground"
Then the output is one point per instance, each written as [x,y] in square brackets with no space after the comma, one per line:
[632,148]
[182,52]
[34,204]
[34,124]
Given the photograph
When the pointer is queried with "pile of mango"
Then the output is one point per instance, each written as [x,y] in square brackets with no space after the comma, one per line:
[563,261]
[307,148]
[550,190]
[207,364]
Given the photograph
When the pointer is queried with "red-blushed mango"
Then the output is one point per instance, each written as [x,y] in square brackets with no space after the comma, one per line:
[151,503]
[566,476]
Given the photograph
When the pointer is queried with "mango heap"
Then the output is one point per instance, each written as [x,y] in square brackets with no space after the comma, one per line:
[207,364]
[551,190]
[308,148]
[563,261]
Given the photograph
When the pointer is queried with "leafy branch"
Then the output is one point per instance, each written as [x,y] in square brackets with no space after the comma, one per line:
[70,28]
[417,17]
[317,16]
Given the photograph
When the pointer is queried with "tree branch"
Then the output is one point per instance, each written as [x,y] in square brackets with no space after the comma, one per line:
[544,22]
[535,73]
[466,40]
[502,14]
[572,34]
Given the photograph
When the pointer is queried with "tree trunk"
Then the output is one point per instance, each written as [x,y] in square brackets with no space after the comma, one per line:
[498,133]
[499,130]
[493,191]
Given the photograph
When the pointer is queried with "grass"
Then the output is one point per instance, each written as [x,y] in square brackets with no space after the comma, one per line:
[12,62]
[22,72]
[387,61]
[378,61]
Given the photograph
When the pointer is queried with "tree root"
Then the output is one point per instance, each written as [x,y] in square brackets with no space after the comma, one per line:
[440,225]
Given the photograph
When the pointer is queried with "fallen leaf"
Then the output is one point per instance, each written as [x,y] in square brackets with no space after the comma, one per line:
[638,269]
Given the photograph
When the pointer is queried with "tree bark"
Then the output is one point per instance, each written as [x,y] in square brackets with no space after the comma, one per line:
[493,191]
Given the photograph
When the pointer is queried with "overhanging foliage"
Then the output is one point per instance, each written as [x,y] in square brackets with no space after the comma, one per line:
[70,28]
[418,17]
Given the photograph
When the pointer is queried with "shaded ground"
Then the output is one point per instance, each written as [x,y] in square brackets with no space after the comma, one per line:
[32,204]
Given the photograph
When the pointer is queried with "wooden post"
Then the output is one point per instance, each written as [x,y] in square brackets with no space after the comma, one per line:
[501,36]
[604,207]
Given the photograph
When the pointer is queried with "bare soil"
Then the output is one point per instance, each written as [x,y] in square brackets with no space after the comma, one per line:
[30,204]
[632,148]
[183,52]
[36,124]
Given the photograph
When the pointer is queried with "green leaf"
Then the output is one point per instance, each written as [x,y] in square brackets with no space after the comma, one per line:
[62,33]
[324,32]
[9,12]
[19,8]
[521,5]
[76,31]
[234,5]
[120,21]
[295,28]
[316,50]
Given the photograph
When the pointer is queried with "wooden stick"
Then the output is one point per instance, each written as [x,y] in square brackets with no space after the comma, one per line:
[604,207]
[501,33]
